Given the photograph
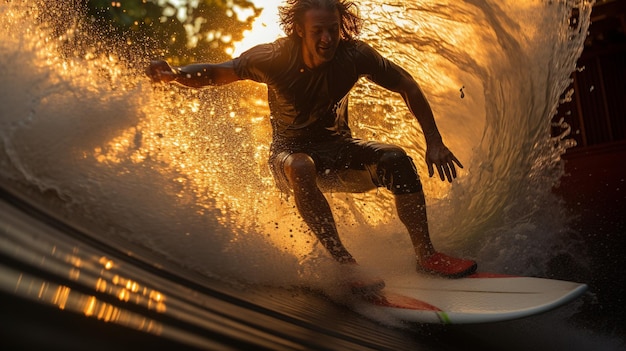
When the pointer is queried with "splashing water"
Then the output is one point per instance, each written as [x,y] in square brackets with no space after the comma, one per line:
[184,173]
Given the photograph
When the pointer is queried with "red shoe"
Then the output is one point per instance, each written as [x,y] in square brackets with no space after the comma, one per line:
[446,266]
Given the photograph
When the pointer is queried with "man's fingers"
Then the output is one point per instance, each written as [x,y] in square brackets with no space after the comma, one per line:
[446,168]
[453,170]
[456,160]
[159,71]
[447,171]
[153,72]
[440,170]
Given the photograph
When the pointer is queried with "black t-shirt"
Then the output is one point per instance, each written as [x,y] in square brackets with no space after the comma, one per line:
[312,104]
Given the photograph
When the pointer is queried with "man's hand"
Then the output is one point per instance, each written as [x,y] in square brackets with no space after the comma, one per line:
[437,154]
[160,72]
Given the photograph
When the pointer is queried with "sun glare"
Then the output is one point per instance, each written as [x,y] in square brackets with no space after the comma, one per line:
[265,28]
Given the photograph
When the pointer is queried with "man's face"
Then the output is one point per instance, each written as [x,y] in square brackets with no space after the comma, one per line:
[320,36]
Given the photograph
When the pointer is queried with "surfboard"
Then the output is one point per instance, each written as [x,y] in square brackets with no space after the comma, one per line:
[478,298]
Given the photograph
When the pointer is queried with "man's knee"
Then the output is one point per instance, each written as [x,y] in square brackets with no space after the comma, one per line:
[298,167]
[397,172]
[393,158]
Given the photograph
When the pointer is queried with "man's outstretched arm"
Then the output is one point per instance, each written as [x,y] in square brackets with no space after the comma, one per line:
[195,75]
[437,154]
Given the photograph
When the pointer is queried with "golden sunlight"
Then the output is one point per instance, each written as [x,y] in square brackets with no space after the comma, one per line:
[265,28]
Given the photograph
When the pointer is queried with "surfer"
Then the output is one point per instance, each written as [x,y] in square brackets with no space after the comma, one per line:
[309,75]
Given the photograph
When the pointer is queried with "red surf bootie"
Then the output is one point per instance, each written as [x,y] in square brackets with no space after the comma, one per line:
[447,266]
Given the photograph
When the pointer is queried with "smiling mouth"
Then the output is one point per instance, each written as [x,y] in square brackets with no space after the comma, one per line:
[326,49]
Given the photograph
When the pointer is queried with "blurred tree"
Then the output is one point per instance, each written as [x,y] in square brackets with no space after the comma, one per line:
[180,30]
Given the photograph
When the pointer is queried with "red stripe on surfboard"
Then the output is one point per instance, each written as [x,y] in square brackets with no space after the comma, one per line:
[491,275]
[388,299]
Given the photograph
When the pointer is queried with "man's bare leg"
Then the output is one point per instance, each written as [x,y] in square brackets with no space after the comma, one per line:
[316,212]
[411,210]
[412,213]
[313,206]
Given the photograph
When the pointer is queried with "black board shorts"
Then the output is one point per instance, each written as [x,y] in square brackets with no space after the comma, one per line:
[351,165]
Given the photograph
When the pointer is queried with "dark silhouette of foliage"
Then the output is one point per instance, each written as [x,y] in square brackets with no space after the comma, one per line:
[200,30]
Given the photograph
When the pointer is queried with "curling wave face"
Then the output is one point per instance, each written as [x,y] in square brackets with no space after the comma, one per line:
[183,172]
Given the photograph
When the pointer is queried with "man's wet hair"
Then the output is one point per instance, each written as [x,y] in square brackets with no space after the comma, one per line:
[293,13]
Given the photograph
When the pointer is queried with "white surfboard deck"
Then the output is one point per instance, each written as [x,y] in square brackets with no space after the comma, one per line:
[479,298]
